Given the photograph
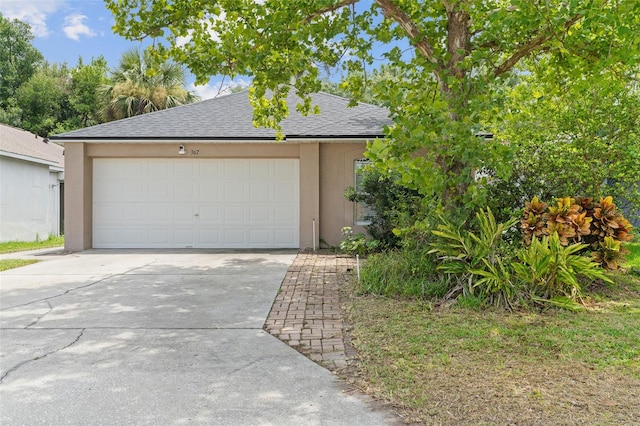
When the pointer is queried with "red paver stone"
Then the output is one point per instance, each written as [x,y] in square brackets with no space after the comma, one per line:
[306,313]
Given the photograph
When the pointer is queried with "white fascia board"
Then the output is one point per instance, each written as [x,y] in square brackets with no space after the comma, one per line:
[30,159]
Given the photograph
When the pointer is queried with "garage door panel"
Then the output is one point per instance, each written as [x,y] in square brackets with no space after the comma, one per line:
[233,237]
[286,192]
[234,169]
[209,192]
[133,169]
[158,169]
[260,214]
[159,191]
[183,237]
[160,213]
[159,237]
[185,169]
[134,212]
[285,214]
[183,213]
[210,214]
[259,237]
[188,202]
[234,214]
[109,237]
[234,191]
[107,213]
[261,192]
[209,238]
[209,168]
[287,170]
[131,192]
[284,237]
[132,236]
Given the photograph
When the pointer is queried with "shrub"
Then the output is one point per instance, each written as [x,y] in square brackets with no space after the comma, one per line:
[580,220]
[550,270]
[392,204]
[356,244]
[476,262]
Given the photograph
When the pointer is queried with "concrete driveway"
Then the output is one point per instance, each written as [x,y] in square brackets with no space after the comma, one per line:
[156,337]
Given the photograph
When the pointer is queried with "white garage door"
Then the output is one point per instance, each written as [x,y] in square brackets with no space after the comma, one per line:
[200,203]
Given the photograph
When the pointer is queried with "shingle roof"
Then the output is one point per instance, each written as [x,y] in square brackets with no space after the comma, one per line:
[231,118]
[29,145]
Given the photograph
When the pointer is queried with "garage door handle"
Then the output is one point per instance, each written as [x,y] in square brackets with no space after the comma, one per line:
[196,215]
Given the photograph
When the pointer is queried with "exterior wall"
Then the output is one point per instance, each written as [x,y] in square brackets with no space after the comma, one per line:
[325,170]
[336,173]
[29,201]
[78,191]
[79,177]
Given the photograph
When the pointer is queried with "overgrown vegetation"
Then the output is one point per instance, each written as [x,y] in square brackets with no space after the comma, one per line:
[14,246]
[392,203]
[599,225]
[558,251]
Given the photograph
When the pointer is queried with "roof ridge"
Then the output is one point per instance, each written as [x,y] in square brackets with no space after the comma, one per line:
[348,99]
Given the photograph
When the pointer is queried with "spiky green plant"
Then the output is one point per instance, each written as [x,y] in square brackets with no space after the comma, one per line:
[550,269]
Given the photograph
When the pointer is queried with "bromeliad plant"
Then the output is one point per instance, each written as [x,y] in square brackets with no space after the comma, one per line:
[477,263]
[550,269]
[579,220]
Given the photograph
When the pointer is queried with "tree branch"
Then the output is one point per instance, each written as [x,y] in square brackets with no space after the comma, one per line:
[535,44]
[390,10]
[328,9]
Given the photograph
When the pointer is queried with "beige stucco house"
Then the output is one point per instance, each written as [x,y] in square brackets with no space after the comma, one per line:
[202,176]
[31,184]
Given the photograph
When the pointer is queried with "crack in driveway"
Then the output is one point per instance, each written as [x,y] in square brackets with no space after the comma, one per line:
[41,316]
[46,299]
[38,358]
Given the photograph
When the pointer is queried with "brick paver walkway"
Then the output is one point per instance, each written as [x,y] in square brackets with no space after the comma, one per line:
[307,314]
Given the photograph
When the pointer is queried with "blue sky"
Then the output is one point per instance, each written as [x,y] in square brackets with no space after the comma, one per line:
[64,30]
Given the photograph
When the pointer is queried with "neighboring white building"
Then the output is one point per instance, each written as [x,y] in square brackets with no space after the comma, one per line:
[31,184]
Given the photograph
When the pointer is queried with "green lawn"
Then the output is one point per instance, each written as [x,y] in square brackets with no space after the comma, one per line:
[449,365]
[14,246]
[15,263]
[633,258]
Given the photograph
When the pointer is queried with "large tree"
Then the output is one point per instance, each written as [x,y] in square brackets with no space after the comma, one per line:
[84,99]
[44,99]
[141,83]
[19,60]
[583,140]
[462,53]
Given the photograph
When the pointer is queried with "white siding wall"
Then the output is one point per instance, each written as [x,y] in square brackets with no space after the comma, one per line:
[29,201]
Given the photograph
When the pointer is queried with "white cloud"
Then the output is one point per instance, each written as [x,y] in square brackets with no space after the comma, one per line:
[74,27]
[32,12]
[207,25]
[218,88]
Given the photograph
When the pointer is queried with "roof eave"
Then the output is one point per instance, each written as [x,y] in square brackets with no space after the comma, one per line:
[173,139]
[29,158]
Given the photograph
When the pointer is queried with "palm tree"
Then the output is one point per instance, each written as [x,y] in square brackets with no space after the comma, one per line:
[142,84]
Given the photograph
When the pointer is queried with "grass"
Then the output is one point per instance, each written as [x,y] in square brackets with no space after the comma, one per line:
[457,365]
[6,264]
[633,258]
[15,246]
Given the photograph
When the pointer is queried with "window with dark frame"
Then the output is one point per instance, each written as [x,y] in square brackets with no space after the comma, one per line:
[363,213]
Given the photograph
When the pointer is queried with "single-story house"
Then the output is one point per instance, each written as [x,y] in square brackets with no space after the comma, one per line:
[203,176]
[31,186]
